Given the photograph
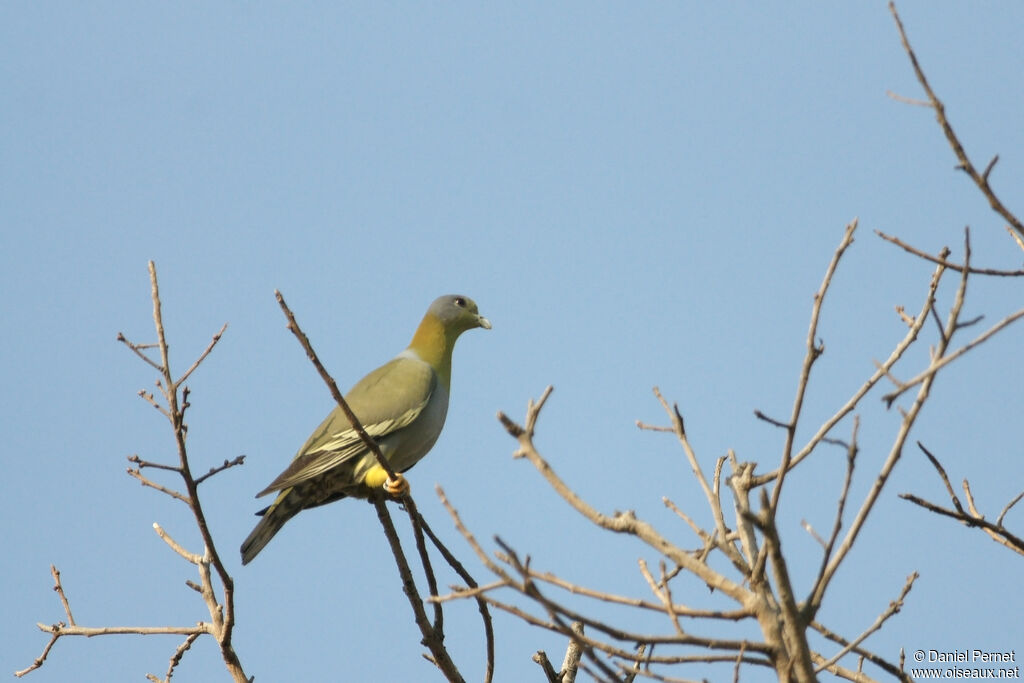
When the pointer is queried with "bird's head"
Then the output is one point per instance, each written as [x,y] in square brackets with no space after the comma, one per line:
[457,313]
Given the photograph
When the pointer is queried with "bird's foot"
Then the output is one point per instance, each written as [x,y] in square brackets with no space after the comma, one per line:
[397,487]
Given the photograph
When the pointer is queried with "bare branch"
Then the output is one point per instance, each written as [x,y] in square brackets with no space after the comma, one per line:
[771,420]
[909,418]
[881,371]
[908,100]
[60,591]
[138,349]
[710,492]
[432,639]
[460,593]
[701,534]
[661,592]
[459,569]
[814,350]
[179,653]
[981,180]
[948,264]
[145,481]
[622,522]
[143,464]
[191,557]
[793,625]
[541,658]
[221,615]
[894,607]
[227,464]
[652,428]
[1002,514]
[734,645]
[818,591]
[89,632]
[571,662]
[202,356]
[60,629]
[971,516]
[930,371]
[942,475]
[1016,237]
[887,666]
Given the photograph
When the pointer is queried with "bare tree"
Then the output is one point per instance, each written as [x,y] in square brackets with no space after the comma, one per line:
[219,600]
[756,588]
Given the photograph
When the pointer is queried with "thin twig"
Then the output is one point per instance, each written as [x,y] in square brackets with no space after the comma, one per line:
[894,607]
[817,593]
[882,370]
[971,516]
[710,491]
[459,569]
[942,475]
[240,460]
[933,368]
[179,653]
[432,639]
[428,568]
[541,658]
[814,351]
[576,589]
[1017,499]
[649,658]
[144,464]
[137,350]
[175,546]
[222,616]
[948,264]
[661,594]
[940,114]
[907,422]
[145,481]
[622,522]
[202,356]
[60,591]
[890,668]
[461,593]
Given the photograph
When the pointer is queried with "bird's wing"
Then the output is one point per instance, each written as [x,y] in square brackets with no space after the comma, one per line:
[388,399]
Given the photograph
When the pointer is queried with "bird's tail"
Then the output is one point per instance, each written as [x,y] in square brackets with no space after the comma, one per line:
[285,506]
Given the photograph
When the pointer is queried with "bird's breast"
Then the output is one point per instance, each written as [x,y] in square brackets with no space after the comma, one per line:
[418,438]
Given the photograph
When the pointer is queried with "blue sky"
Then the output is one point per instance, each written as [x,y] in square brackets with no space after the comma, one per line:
[634,193]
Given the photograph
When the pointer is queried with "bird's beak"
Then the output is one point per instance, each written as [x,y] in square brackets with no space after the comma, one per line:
[483,322]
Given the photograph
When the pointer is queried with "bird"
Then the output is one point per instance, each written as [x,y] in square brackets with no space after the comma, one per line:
[401,404]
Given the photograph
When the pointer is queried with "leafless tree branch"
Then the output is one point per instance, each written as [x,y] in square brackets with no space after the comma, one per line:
[965,164]
[221,610]
[971,516]
[943,261]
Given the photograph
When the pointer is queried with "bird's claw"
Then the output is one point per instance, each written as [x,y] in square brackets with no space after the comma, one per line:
[397,487]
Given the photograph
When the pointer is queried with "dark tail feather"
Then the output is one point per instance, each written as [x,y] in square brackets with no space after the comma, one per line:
[274,517]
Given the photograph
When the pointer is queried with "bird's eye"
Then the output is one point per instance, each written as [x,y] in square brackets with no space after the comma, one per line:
[460,302]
